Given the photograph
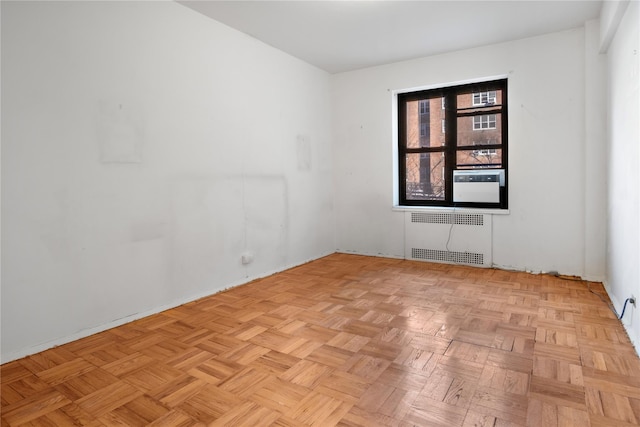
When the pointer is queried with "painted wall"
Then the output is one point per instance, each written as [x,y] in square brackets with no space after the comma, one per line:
[546,227]
[146,148]
[623,134]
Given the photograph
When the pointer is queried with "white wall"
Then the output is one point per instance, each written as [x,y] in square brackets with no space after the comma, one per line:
[546,227]
[623,134]
[145,149]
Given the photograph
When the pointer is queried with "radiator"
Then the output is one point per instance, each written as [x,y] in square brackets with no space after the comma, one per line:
[449,237]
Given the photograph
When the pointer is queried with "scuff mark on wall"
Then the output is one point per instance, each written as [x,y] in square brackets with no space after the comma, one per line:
[120,133]
[303,151]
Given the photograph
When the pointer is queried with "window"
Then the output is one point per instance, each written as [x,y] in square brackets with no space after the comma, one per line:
[424,107]
[485,152]
[484,122]
[470,132]
[483,98]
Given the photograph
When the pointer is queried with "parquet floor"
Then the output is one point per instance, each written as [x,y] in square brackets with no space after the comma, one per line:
[348,341]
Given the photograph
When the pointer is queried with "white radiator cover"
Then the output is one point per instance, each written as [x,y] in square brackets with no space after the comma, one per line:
[449,237]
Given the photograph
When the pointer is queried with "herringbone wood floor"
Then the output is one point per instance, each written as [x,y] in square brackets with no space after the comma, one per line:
[349,341]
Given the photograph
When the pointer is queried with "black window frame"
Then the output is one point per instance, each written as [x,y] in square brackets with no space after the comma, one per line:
[451,148]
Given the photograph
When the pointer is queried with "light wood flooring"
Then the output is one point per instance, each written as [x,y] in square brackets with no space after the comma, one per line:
[348,341]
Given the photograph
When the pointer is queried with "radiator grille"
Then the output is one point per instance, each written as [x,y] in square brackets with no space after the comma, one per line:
[448,256]
[447,218]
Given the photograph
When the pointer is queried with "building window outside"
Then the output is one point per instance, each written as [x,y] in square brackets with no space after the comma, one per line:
[484,122]
[469,133]
[424,107]
[484,152]
[483,98]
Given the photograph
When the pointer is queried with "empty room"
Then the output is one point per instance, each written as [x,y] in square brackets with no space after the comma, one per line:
[320,213]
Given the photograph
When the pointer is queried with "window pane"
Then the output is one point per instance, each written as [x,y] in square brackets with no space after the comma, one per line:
[479,159]
[425,176]
[424,123]
[480,130]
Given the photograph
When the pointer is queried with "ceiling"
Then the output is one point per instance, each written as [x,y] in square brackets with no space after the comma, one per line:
[339,36]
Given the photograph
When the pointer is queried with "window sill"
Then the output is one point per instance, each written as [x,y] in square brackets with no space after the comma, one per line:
[398,208]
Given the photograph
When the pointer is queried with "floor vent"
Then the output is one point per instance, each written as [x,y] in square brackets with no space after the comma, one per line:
[447,256]
[449,237]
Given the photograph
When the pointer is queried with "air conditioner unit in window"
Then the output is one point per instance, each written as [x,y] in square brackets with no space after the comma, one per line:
[477,186]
